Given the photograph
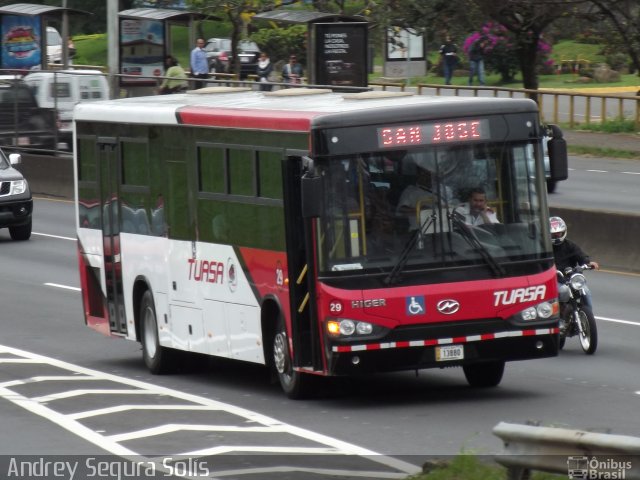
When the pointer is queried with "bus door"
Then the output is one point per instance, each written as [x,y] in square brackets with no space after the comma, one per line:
[108,161]
[306,352]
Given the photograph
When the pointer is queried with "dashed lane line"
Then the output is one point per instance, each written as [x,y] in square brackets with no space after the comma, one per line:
[65,287]
[60,237]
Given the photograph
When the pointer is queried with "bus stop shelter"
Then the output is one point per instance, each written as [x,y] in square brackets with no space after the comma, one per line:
[145,39]
[23,27]
[337,46]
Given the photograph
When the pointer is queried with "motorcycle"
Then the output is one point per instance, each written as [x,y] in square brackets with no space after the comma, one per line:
[576,316]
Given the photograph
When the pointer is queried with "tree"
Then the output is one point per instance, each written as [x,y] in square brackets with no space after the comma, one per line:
[280,42]
[238,13]
[624,17]
[499,50]
[526,20]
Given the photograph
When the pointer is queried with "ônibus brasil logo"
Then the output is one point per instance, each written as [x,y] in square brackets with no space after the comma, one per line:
[585,467]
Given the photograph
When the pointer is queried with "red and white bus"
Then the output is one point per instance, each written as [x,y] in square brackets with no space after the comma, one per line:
[266,227]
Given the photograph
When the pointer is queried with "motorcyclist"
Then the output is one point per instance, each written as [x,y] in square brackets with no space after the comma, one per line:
[568,254]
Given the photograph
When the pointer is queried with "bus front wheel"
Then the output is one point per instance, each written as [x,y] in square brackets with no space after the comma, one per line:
[294,384]
[156,357]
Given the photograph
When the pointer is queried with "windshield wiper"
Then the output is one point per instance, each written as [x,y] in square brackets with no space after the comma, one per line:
[411,243]
[471,238]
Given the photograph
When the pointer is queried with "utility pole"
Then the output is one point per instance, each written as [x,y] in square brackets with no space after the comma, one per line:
[65,35]
[113,37]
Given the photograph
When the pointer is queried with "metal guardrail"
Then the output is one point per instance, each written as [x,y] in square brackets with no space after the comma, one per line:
[577,453]
[592,101]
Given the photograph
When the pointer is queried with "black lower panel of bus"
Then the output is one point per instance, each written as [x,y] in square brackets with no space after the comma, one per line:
[388,358]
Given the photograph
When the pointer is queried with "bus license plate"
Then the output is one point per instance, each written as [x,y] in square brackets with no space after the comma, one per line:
[449,352]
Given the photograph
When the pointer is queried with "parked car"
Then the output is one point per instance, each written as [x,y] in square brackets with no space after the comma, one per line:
[220,60]
[16,204]
[23,123]
[63,89]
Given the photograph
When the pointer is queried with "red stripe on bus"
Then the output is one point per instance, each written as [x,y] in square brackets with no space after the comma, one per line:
[235,118]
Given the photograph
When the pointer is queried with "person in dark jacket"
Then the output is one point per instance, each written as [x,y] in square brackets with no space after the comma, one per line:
[449,55]
[264,70]
[568,254]
[476,60]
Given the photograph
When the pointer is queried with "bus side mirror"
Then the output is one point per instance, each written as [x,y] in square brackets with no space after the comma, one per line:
[311,192]
[558,157]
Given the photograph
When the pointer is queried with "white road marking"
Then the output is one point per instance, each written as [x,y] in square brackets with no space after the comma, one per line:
[615,320]
[598,171]
[66,287]
[129,386]
[54,236]
[631,173]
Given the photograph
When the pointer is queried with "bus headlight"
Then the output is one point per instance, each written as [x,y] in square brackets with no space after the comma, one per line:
[542,310]
[345,327]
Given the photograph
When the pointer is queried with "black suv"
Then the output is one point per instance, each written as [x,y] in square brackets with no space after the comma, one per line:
[16,204]
[22,122]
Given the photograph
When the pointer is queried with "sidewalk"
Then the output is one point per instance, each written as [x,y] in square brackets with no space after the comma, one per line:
[619,141]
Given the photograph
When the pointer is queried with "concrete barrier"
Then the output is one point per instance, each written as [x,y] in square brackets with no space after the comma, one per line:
[48,175]
[610,238]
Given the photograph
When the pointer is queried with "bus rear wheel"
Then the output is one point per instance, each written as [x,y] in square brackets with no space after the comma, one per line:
[156,358]
[294,384]
[482,375]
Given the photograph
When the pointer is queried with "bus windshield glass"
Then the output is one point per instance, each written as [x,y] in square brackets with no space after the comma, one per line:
[432,207]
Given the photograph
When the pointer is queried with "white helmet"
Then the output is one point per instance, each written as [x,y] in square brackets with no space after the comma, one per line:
[558,230]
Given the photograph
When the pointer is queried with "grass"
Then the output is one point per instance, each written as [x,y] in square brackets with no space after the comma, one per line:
[622,125]
[604,152]
[470,467]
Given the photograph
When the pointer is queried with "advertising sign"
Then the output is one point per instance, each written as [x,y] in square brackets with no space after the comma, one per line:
[340,54]
[21,41]
[402,42]
[141,51]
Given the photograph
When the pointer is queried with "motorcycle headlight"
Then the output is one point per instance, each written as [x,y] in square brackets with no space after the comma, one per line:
[18,187]
[578,281]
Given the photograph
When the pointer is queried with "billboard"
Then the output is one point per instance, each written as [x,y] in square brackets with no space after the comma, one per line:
[340,54]
[141,51]
[21,42]
[403,42]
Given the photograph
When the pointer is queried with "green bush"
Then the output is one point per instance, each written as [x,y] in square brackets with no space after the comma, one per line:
[279,43]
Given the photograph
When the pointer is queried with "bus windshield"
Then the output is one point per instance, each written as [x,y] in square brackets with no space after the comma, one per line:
[420,209]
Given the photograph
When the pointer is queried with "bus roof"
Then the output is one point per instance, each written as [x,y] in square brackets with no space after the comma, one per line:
[291,109]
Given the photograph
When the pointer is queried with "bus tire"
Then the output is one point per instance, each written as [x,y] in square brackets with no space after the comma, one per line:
[483,375]
[156,358]
[294,384]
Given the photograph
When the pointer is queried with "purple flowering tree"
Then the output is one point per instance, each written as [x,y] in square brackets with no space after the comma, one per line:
[526,20]
[500,50]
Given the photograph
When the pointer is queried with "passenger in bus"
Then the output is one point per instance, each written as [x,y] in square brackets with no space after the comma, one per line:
[425,191]
[475,210]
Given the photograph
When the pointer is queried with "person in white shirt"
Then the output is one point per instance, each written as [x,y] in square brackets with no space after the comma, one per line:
[476,211]
[422,191]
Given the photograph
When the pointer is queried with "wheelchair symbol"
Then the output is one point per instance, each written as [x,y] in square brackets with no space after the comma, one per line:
[415,305]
